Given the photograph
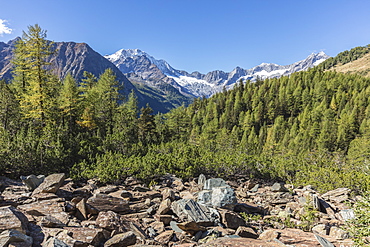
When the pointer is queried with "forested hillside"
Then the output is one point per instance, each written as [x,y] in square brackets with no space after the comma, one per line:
[309,128]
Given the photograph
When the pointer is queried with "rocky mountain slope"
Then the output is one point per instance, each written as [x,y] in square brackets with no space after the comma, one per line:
[196,84]
[360,66]
[55,211]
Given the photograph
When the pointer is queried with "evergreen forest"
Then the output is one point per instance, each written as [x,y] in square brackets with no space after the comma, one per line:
[311,127]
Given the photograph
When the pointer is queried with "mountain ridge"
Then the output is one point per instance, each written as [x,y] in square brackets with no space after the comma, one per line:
[197,84]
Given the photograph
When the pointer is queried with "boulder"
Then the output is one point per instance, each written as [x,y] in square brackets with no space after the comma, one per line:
[12,218]
[223,197]
[231,219]
[217,193]
[81,209]
[121,240]
[189,210]
[110,221]
[54,208]
[12,235]
[103,202]
[51,184]
[32,181]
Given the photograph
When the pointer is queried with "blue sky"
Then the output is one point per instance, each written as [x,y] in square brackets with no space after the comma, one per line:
[198,35]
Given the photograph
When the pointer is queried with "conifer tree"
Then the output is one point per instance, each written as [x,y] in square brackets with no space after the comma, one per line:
[33,82]
[69,101]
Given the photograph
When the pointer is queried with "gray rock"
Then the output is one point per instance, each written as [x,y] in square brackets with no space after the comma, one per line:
[205,197]
[32,181]
[174,227]
[12,235]
[323,241]
[255,188]
[347,214]
[223,197]
[189,210]
[278,187]
[214,183]
[201,180]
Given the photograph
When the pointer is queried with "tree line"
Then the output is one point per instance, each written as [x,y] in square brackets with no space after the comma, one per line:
[307,128]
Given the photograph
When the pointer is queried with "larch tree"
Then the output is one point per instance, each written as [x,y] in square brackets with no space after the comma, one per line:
[34,84]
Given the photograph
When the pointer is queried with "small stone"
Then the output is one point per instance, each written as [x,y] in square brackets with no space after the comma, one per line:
[347,214]
[321,229]
[54,242]
[246,232]
[168,193]
[121,240]
[164,207]
[278,187]
[231,219]
[165,237]
[270,234]
[338,233]
[191,227]
[166,219]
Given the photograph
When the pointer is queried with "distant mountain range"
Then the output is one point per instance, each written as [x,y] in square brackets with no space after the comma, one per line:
[154,81]
[138,63]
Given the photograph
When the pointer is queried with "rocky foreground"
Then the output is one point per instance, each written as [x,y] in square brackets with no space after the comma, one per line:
[55,211]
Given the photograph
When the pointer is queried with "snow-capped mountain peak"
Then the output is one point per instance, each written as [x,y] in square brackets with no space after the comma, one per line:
[197,84]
